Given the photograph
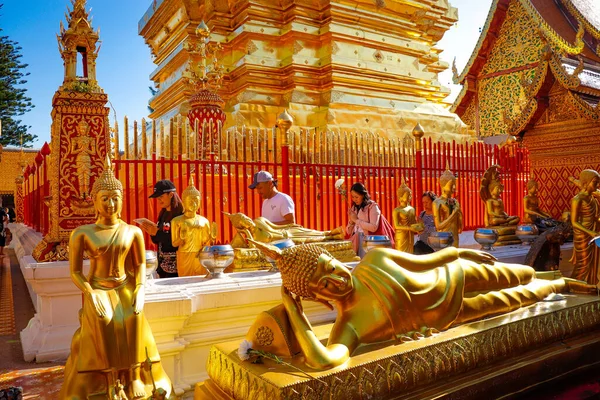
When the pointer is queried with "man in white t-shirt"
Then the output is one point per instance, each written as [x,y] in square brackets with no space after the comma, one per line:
[277,207]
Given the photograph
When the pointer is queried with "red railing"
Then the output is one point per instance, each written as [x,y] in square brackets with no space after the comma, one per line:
[314,162]
[35,188]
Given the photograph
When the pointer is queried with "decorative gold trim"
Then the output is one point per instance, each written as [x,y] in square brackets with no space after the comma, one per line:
[574,11]
[482,36]
[549,33]
[567,80]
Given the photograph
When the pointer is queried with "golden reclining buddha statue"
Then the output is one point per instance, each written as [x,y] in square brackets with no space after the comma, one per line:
[392,296]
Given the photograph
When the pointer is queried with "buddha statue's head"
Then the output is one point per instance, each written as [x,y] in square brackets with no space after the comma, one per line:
[448,182]
[589,179]
[404,194]
[240,221]
[310,271]
[82,128]
[532,186]
[191,197]
[496,187]
[107,193]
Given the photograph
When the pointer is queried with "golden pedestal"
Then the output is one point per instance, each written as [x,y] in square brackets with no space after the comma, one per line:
[253,259]
[506,235]
[491,358]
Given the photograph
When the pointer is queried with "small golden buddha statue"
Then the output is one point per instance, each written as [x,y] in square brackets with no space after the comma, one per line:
[490,191]
[531,204]
[447,214]
[190,232]
[263,230]
[585,218]
[111,344]
[392,296]
[405,221]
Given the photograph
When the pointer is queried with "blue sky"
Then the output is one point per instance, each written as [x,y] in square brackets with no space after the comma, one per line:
[124,63]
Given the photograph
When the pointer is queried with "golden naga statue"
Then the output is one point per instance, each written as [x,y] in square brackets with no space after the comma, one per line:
[490,191]
[447,214]
[114,345]
[191,232]
[263,230]
[392,296]
[531,204]
[585,218]
[405,221]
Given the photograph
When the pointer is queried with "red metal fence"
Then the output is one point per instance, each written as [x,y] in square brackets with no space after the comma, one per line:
[315,161]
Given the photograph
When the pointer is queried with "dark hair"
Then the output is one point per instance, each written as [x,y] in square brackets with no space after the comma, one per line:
[432,196]
[176,206]
[362,190]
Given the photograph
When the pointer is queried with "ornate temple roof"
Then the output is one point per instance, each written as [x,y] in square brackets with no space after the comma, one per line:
[569,33]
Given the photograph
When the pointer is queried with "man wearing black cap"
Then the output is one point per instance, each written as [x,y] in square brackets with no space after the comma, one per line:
[277,207]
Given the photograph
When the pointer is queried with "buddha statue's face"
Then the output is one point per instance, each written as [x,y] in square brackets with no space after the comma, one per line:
[331,280]
[593,185]
[405,198]
[496,191]
[191,203]
[108,203]
[449,188]
[532,189]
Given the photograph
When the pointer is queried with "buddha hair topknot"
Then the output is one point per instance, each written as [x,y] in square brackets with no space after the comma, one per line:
[107,180]
[297,266]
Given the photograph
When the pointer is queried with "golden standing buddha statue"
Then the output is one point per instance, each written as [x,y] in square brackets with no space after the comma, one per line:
[391,296]
[405,221]
[585,217]
[114,345]
[531,204]
[190,232]
[447,214]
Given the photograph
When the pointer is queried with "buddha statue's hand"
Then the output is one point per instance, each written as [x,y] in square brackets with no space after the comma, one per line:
[292,305]
[138,299]
[97,302]
[477,256]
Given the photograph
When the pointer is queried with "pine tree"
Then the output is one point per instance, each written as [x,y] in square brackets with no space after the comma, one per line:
[13,99]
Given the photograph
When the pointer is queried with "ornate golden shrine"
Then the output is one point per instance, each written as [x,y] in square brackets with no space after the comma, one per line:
[80,136]
[333,64]
[535,73]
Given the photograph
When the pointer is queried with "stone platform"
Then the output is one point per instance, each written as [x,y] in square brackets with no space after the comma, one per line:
[487,359]
[187,315]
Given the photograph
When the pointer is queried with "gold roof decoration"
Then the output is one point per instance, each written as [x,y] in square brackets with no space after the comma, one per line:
[107,180]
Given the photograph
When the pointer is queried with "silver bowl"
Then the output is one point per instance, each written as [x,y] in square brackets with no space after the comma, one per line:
[527,233]
[215,259]
[440,240]
[151,263]
[486,237]
[371,242]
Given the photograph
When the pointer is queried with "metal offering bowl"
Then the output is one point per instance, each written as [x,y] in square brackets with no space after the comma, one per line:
[527,233]
[374,241]
[440,240]
[215,259]
[151,263]
[486,237]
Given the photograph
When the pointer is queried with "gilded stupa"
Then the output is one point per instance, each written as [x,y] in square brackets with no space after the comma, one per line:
[344,65]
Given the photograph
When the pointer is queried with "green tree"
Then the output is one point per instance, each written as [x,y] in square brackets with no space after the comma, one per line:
[13,99]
